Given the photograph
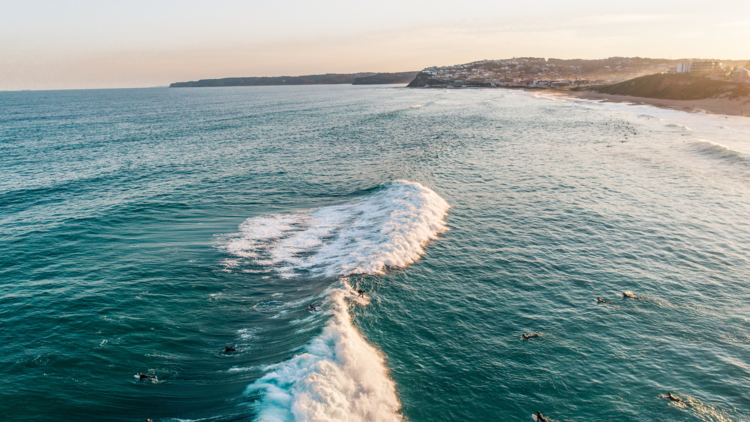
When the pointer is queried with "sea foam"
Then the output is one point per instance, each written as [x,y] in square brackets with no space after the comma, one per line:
[340,377]
[387,229]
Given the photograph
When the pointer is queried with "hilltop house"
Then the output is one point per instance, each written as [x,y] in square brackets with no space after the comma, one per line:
[741,75]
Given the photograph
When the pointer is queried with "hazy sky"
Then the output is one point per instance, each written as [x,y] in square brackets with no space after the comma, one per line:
[99,44]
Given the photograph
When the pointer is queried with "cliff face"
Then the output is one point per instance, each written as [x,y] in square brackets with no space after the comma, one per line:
[422,79]
[677,87]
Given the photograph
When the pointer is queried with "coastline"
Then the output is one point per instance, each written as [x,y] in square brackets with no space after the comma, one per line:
[709,105]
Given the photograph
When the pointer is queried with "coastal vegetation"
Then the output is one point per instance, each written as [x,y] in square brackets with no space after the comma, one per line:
[385,78]
[363,78]
[677,87]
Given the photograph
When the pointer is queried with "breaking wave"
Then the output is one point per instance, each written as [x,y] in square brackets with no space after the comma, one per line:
[387,229]
[339,376]
[678,126]
[719,151]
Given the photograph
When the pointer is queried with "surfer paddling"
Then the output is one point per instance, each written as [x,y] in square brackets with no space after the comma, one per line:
[229,349]
[540,418]
[532,335]
[312,308]
[145,377]
[672,397]
[600,300]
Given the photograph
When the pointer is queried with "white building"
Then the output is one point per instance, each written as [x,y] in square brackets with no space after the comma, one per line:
[741,75]
[697,67]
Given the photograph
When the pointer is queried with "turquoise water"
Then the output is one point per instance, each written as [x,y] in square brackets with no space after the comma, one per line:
[145,230]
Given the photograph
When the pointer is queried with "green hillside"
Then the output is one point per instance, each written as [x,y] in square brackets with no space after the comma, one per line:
[677,87]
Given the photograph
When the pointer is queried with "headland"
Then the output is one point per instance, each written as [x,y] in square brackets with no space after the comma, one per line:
[711,86]
[363,78]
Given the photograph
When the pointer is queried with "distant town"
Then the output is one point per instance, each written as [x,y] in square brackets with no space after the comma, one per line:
[558,73]
[522,72]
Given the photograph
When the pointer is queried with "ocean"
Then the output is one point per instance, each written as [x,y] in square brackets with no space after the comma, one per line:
[145,230]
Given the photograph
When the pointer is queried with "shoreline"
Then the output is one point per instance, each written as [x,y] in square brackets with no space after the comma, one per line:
[709,105]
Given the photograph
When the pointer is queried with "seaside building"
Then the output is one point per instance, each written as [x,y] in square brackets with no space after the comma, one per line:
[697,67]
[741,75]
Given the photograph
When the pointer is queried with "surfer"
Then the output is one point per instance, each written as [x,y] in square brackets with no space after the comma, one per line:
[532,335]
[312,308]
[600,300]
[672,397]
[229,349]
[541,418]
[361,293]
[145,377]
[629,294]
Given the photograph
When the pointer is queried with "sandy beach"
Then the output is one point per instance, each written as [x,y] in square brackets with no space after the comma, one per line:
[739,107]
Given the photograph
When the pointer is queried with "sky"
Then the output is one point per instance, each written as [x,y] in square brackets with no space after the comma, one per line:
[76,44]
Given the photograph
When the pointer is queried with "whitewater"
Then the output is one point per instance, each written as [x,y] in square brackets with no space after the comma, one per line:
[340,377]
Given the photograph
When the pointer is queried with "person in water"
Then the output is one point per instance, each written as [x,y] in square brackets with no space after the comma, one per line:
[532,335]
[672,397]
[229,349]
[541,418]
[600,300]
[312,307]
[144,376]
[361,293]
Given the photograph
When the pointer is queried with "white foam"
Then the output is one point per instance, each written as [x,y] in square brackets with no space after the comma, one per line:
[340,377]
[248,333]
[679,126]
[242,369]
[257,230]
[550,97]
[386,229]
[711,143]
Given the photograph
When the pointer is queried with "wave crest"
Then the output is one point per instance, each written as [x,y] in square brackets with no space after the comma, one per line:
[719,151]
[340,376]
[387,229]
